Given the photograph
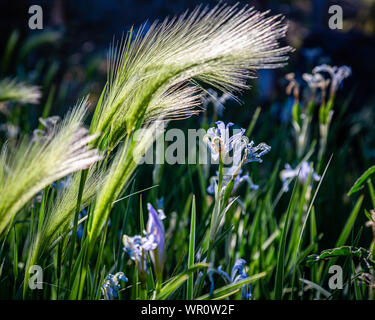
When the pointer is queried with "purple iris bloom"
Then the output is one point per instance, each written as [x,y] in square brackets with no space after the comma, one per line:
[221,143]
[137,248]
[255,153]
[302,171]
[238,180]
[112,284]
[155,228]
[237,275]
[152,242]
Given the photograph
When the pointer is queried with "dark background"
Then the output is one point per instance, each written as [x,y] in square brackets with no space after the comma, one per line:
[89,26]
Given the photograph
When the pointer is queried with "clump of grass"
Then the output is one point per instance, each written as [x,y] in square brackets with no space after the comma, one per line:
[18,91]
[151,76]
[36,164]
[119,174]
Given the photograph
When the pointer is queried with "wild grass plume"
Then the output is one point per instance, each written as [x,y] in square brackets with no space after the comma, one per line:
[35,164]
[155,74]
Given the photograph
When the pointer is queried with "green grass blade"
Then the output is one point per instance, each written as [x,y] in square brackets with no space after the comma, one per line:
[349,223]
[190,284]
[8,52]
[174,283]
[232,288]
[324,292]
[254,119]
[281,253]
[312,202]
[358,184]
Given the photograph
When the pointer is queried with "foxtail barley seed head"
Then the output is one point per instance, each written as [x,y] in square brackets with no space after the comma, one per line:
[154,75]
[16,91]
[35,165]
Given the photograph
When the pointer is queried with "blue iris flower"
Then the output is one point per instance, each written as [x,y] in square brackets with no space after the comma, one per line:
[152,242]
[255,153]
[155,228]
[238,180]
[237,275]
[112,284]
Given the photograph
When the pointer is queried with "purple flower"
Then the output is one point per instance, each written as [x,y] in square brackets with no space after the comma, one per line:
[221,143]
[337,74]
[137,248]
[238,180]
[237,275]
[315,80]
[112,285]
[301,171]
[152,242]
[255,154]
[155,228]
